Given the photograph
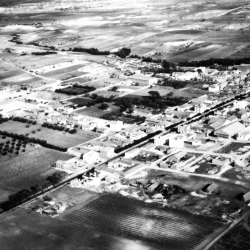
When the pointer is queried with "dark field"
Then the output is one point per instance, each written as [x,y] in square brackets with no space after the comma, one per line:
[237,239]
[80,100]
[25,230]
[232,147]
[150,223]
[29,168]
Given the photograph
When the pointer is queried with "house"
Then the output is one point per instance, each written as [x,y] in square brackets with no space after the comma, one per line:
[246,196]
[211,188]
[200,108]
[90,157]
[137,135]
[221,161]
[134,170]
[184,128]
[177,141]
[132,153]
[143,79]
[177,157]
[160,139]
[214,88]
[246,119]
[184,107]
[106,151]
[241,104]
[230,130]
[244,135]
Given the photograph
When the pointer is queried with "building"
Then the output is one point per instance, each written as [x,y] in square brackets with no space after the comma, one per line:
[214,88]
[246,196]
[132,153]
[241,104]
[230,130]
[143,79]
[134,170]
[244,135]
[177,157]
[90,157]
[161,139]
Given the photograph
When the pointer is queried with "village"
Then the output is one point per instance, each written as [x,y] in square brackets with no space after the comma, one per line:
[124,122]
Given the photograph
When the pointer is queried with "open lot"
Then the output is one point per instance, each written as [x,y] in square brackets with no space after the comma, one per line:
[55,137]
[232,147]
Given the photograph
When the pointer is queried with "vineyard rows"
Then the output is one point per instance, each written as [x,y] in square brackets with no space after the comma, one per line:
[151,223]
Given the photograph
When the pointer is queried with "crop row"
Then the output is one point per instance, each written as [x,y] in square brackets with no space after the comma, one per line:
[121,216]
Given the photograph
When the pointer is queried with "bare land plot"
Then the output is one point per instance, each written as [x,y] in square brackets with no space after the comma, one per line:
[232,147]
[190,93]
[193,183]
[68,76]
[161,89]
[55,137]
[64,70]
[48,95]
[94,111]
[77,80]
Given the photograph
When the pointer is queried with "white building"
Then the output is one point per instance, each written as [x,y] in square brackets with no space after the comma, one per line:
[91,157]
[161,139]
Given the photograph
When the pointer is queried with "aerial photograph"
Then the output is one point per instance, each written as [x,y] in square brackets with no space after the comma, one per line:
[124,125]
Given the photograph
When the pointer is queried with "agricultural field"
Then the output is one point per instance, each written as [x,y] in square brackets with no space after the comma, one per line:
[28,168]
[80,101]
[75,90]
[94,111]
[158,227]
[176,30]
[237,239]
[55,137]
[23,229]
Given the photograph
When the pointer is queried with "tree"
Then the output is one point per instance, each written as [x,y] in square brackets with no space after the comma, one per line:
[123,52]
[56,177]
[154,94]
[103,106]
[114,89]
